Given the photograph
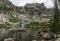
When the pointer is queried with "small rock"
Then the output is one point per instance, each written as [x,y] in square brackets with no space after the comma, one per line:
[9,39]
[58,39]
[34,40]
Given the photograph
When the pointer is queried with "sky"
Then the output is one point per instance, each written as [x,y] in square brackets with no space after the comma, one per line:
[47,3]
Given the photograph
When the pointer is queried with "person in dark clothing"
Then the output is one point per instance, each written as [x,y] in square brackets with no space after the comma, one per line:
[20,23]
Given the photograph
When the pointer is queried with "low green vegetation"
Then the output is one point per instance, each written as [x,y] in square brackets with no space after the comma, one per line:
[13,19]
[35,26]
[6,25]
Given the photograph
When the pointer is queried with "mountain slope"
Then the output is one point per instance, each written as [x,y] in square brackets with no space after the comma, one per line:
[13,14]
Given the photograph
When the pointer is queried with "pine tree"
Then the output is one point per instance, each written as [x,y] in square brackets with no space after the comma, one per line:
[56,24]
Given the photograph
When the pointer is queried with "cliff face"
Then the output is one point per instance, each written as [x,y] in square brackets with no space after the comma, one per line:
[11,13]
[37,9]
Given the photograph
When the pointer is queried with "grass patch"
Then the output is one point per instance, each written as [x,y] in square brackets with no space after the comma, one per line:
[7,25]
[35,26]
